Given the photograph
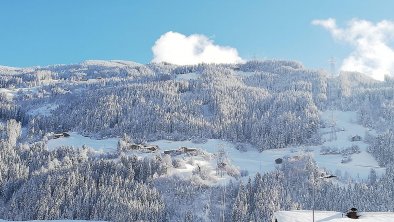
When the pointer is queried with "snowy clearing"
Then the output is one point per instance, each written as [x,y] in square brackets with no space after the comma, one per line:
[44,110]
[77,140]
[347,127]
[9,94]
[187,76]
[253,161]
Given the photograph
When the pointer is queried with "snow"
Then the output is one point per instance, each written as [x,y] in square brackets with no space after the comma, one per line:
[187,76]
[8,70]
[110,63]
[361,163]
[245,74]
[304,215]
[252,160]
[8,93]
[54,220]
[12,91]
[77,140]
[331,216]
[43,110]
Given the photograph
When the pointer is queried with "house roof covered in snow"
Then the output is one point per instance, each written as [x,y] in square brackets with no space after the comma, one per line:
[331,216]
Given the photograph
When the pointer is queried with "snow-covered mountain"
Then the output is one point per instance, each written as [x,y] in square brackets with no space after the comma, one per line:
[94,140]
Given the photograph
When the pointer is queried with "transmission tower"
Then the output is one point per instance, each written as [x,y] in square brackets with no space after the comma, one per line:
[331,97]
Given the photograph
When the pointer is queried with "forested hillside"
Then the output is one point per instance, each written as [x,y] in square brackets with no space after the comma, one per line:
[265,104]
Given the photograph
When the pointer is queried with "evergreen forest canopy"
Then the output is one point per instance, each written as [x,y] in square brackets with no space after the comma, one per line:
[269,104]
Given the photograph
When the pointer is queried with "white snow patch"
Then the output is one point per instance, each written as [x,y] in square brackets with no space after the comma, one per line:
[187,76]
[245,74]
[331,216]
[252,160]
[8,70]
[77,140]
[43,110]
[9,94]
[347,127]
[110,63]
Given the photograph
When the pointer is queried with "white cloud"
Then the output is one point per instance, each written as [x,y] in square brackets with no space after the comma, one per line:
[176,48]
[372,53]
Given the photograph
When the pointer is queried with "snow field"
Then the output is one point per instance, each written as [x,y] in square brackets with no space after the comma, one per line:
[251,160]
[331,216]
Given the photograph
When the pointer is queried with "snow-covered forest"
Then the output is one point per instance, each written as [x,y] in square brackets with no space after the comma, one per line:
[259,106]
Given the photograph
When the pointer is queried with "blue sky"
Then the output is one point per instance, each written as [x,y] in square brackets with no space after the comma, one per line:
[43,32]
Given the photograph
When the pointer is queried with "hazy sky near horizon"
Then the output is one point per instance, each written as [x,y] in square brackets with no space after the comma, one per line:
[43,32]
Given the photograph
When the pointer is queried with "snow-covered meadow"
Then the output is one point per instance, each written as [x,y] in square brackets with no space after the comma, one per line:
[249,159]
[77,140]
